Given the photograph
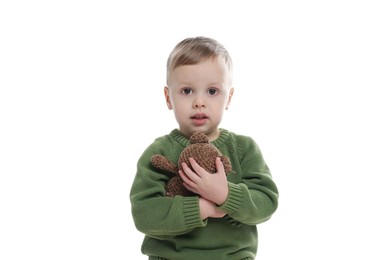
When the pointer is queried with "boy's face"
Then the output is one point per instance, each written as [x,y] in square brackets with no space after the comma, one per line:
[198,95]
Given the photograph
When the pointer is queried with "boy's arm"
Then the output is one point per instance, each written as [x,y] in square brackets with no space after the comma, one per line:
[159,216]
[252,201]
[208,209]
[255,199]
[153,213]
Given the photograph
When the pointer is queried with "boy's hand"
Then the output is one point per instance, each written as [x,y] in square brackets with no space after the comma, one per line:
[213,187]
[208,209]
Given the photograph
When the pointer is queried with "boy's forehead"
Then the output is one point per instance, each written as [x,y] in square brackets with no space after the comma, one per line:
[216,67]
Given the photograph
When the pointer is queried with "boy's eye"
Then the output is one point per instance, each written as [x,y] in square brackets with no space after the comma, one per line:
[213,91]
[186,91]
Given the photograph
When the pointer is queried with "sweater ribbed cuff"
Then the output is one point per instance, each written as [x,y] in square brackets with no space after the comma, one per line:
[234,199]
[191,212]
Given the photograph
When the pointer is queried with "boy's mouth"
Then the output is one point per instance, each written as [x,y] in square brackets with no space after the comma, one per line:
[199,116]
[199,119]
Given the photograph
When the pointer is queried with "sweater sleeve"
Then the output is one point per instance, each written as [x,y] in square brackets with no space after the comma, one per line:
[153,213]
[255,198]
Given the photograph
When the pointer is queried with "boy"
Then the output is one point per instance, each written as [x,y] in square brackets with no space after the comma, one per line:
[220,222]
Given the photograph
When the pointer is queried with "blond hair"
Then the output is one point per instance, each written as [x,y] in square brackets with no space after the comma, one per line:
[191,51]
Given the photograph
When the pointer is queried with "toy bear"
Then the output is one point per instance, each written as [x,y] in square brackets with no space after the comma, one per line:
[202,151]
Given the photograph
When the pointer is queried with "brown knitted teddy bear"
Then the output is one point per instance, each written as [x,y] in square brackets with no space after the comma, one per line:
[202,151]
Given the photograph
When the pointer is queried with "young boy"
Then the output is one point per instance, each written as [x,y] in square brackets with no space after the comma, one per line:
[220,222]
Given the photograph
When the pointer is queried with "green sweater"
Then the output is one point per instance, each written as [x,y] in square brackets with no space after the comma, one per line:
[172,226]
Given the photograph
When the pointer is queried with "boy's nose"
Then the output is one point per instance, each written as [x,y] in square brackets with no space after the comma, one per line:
[199,102]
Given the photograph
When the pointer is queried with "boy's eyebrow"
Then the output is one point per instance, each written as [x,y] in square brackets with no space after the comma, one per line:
[183,83]
[217,83]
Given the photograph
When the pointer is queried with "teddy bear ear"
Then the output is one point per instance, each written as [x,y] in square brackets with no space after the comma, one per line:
[199,137]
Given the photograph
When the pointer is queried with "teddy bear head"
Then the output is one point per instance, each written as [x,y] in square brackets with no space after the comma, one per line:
[204,153]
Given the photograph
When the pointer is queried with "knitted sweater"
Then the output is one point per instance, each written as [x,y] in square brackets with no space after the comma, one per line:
[172,226]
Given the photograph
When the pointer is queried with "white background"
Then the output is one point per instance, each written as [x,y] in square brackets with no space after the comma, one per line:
[82,96]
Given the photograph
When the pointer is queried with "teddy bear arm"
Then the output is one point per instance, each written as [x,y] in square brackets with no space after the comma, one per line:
[163,163]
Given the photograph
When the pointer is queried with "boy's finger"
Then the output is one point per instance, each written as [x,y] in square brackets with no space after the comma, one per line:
[185,178]
[190,174]
[219,165]
[198,170]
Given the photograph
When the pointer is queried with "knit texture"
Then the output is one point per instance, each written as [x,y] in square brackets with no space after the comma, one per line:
[172,225]
[203,152]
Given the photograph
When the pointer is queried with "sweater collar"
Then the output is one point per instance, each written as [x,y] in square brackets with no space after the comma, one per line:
[180,138]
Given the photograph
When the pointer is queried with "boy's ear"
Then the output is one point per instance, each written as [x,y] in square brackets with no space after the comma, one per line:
[231,92]
[167,98]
